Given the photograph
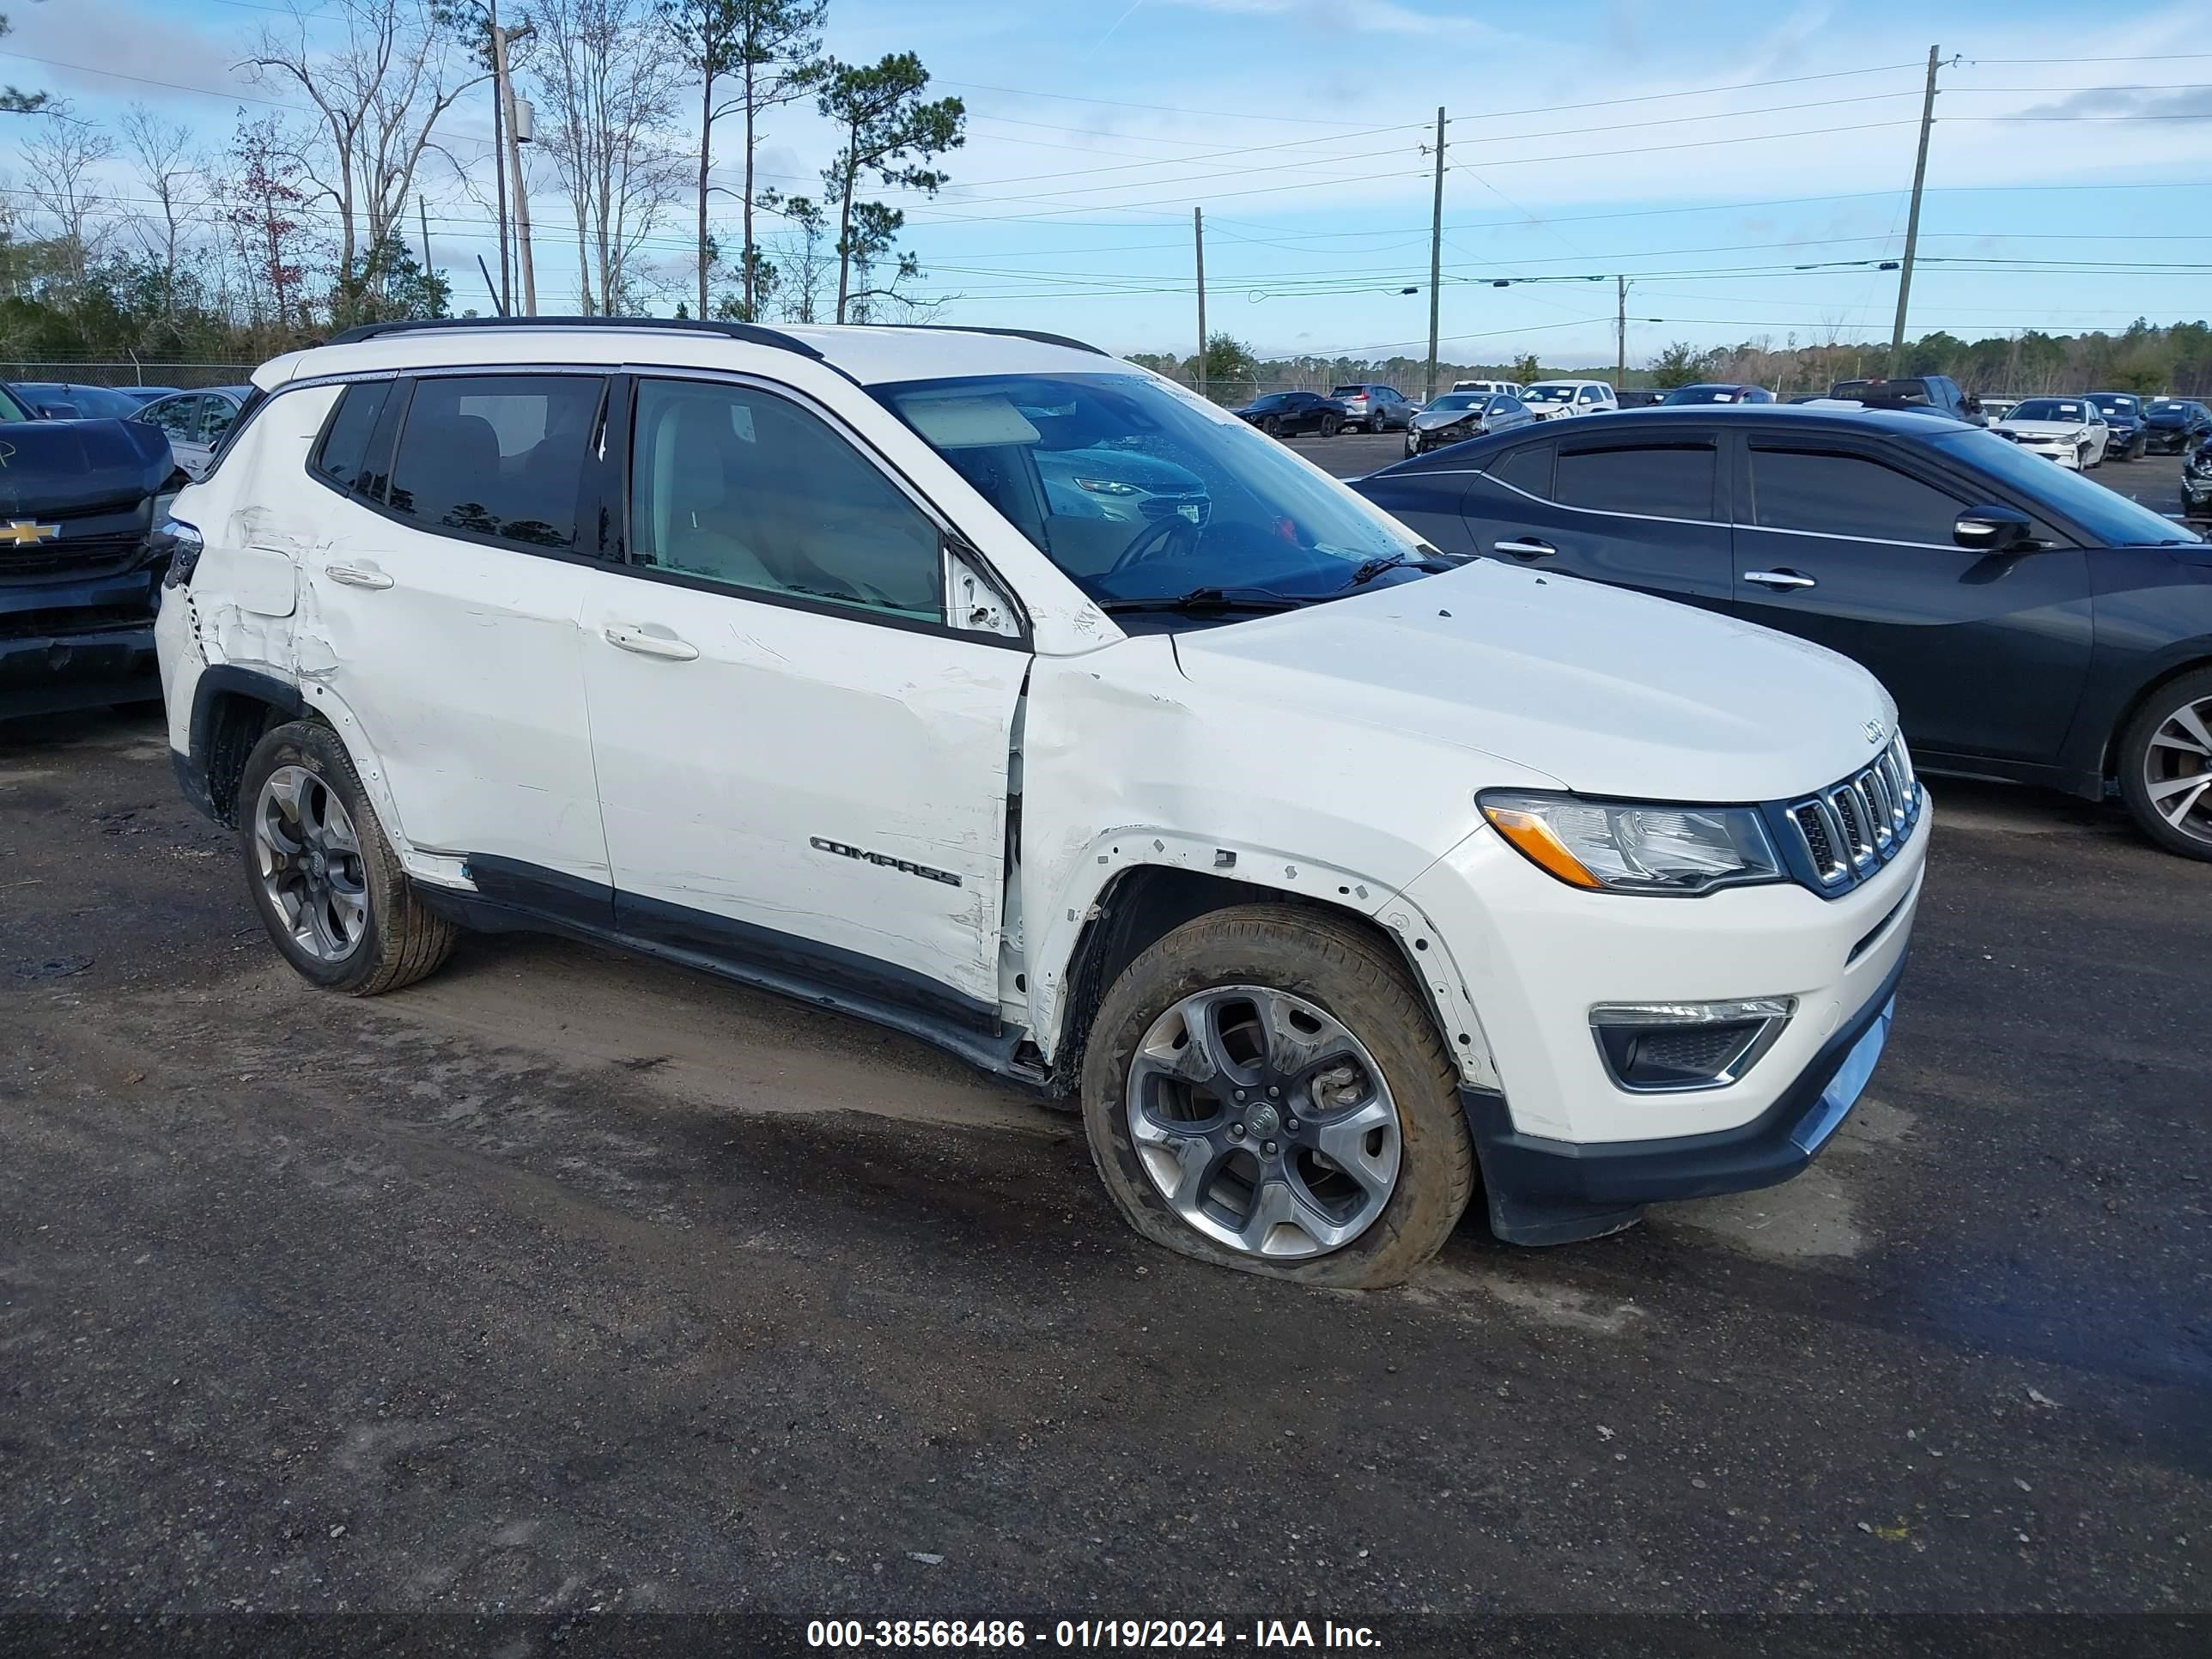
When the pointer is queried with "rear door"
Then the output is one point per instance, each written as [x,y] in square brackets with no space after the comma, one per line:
[1850,546]
[1641,510]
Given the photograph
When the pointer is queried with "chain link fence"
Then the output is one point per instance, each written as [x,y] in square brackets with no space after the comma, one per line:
[184,377]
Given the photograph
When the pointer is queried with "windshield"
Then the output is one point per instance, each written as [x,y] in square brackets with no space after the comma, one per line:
[2109,517]
[2051,409]
[1457,400]
[2113,404]
[11,408]
[1701,394]
[1548,394]
[1138,490]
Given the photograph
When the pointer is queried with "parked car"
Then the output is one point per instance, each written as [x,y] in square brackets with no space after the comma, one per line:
[2070,431]
[1555,400]
[63,400]
[1934,394]
[1015,782]
[2175,426]
[2126,438]
[1373,408]
[143,395]
[1640,397]
[196,421]
[1501,388]
[80,562]
[2032,624]
[1455,417]
[1993,406]
[1288,414]
[1719,393]
[2196,482]
[1126,486]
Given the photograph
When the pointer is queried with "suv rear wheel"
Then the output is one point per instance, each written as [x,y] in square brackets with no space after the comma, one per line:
[2166,766]
[1265,1090]
[330,889]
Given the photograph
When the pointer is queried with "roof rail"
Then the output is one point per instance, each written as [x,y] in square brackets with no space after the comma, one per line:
[752,333]
[1009,333]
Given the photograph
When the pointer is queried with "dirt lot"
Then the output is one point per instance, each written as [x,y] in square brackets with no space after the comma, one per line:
[570,1286]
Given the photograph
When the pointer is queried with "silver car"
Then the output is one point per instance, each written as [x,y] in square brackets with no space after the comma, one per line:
[196,421]
[1455,417]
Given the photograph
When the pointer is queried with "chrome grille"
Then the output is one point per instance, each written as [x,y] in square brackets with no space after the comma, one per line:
[1195,507]
[1848,830]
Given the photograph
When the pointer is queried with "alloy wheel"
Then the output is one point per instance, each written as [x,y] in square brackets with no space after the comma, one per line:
[310,863]
[2178,770]
[1264,1123]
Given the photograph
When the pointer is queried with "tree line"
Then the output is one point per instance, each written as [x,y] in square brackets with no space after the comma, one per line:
[319,217]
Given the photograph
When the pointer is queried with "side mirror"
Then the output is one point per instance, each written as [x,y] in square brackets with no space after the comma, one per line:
[1992,530]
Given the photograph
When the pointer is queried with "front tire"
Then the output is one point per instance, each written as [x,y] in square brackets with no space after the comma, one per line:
[2166,766]
[324,878]
[1264,1089]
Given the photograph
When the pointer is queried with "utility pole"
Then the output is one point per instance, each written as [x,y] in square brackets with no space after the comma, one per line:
[503,296]
[1620,332]
[1912,219]
[423,214]
[501,39]
[1198,229]
[1436,257]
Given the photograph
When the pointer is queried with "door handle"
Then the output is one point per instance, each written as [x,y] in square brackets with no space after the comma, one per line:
[1780,581]
[1527,548]
[357,575]
[650,640]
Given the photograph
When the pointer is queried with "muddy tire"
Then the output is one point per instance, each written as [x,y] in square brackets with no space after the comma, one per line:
[1264,1089]
[324,880]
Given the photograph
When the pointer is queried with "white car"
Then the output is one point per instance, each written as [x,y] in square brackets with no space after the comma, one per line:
[196,421]
[2068,430]
[1555,400]
[1493,388]
[1326,871]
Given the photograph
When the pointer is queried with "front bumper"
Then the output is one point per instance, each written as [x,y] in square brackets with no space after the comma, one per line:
[76,645]
[1568,1153]
[2052,449]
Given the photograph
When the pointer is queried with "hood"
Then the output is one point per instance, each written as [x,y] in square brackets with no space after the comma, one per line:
[1435,420]
[1610,692]
[80,467]
[2043,429]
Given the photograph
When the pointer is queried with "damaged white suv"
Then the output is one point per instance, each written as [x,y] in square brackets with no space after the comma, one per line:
[987,687]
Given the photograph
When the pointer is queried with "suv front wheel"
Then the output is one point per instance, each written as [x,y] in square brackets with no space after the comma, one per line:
[328,885]
[1264,1090]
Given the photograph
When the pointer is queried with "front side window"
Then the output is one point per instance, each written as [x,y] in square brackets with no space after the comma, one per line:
[1137,490]
[1590,394]
[746,489]
[1850,496]
[498,455]
[1670,480]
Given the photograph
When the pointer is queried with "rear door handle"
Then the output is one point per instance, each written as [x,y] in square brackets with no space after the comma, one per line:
[1780,581]
[357,575]
[1527,548]
[650,639]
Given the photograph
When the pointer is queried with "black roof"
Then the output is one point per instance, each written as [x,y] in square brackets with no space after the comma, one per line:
[1900,421]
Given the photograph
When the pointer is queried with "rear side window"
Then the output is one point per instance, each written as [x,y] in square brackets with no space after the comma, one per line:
[1847,496]
[1528,469]
[1663,481]
[341,459]
[498,455]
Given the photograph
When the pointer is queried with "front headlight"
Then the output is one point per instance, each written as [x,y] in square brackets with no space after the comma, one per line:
[1108,486]
[1624,847]
[182,544]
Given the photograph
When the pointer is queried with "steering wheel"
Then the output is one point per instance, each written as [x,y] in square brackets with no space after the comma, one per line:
[1155,543]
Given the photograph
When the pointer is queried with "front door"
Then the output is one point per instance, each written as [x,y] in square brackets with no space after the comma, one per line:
[801,768]
[1985,655]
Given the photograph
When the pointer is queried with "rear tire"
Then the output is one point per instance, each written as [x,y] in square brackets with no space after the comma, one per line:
[2166,766]
[329,888]
[1330,425]
[1348,1041]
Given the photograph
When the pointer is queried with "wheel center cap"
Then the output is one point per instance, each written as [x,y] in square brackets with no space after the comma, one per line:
[1263,1121]
[319,865]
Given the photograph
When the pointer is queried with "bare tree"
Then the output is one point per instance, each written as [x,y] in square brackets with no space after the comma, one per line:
[806,265]
[62,163]
[608,84]
[377,94]
[161,151]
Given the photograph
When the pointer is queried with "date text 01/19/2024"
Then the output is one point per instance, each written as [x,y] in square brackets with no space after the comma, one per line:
[1292,1635]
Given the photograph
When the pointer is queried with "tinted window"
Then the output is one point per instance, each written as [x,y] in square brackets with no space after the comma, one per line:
[500,455]
[341,458]
[748,489]
[218,416]
[2109,518]
[1674,481]
[178,416]
[1590,394]
[1527,468]
[1849,496]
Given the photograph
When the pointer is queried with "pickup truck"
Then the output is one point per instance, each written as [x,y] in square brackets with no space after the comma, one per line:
[81,562]
[1933,394]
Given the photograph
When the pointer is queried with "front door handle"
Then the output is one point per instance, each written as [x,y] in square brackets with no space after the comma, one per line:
[1527,548]
[650,639]
[1780,581]
[357,575]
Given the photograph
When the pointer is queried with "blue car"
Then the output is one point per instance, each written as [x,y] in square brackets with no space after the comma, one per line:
[2123,412]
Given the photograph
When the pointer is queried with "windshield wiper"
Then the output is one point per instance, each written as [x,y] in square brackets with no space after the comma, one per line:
[1427,559]
[1208,598]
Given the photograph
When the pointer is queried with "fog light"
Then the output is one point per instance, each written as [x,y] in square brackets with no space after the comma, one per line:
[1664,1048]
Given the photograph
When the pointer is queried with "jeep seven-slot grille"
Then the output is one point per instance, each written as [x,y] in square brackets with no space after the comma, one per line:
[1850,829]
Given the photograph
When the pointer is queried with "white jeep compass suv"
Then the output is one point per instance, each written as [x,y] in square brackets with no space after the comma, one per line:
[1331,874]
